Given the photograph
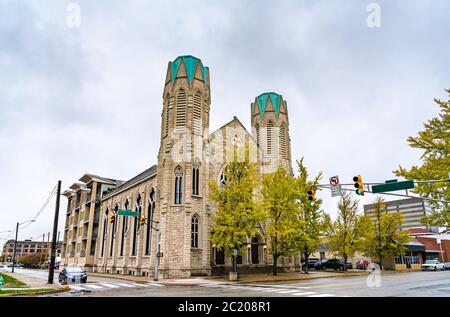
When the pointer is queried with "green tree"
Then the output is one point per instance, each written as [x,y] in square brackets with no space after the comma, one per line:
[280,202]
[346,233]
[434,141]
[238,213]
[312,221]
[383,237]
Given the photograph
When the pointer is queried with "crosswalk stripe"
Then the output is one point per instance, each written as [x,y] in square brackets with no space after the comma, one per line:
[156,284]
[76,287]
[93,286]
[322,295]
[125,285]
[110,285]
[278,290]
[290,291]
[304,293]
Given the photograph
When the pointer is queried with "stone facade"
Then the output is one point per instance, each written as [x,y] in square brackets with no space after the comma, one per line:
[173,196]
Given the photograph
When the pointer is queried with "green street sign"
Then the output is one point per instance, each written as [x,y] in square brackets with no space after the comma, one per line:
[129,213]
[392,186]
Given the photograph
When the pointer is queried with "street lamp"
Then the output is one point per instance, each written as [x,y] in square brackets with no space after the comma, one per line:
[15,242]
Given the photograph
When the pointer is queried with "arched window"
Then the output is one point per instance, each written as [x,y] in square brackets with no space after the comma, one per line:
[124,228]
[136,224]
[194,231]
[270,137]
[150,224]
[258,142]
[105,226]
[168,114]
[178,185]
[181,109]
[283,141]
[195,178]
[223,179]
[197,114]
[113,231]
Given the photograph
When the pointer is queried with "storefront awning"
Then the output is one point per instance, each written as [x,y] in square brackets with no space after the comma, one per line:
[415,246]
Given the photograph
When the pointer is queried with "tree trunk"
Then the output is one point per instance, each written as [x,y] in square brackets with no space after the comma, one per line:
[381,263]
[345,264]
[275,262]
[306,263]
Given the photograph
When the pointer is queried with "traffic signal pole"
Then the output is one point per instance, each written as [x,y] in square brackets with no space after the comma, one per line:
[14,251]
[51,270]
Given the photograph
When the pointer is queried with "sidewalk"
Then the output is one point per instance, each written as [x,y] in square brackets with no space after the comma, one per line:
[247,278]
[32,283]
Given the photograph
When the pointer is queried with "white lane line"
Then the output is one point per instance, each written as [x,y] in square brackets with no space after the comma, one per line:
[125,285]
[304,293]
[270,289]
[110,285]
[93,286]
[153,284]
[278,290]
[291,291]
[322,295]
[76,287]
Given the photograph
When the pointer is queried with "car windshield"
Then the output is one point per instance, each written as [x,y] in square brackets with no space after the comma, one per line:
[430,262]
[74,270]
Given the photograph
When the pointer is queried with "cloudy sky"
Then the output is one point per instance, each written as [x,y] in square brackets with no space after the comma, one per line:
[88,98]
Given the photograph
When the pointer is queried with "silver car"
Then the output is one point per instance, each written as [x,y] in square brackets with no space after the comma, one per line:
[447,265]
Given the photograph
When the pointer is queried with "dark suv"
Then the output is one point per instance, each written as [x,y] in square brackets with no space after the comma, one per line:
[335,264]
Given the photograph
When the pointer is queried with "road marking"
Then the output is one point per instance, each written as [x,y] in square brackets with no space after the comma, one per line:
[125,285]
[304,293]
[110,285]
[154,284]
[93,286]
[76,287]
[322,295]
[286,292]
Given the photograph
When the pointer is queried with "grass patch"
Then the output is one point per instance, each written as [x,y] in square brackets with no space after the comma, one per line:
[28,292]
[11,281]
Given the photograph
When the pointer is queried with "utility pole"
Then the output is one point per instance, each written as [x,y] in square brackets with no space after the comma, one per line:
[14,251]
[51,269]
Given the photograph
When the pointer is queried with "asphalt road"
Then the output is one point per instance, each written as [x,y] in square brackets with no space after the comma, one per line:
[420,284]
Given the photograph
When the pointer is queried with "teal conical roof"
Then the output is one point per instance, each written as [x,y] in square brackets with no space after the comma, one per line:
[262,102]
[191,64]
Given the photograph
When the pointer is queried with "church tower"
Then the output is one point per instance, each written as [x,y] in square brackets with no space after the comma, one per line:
[182,170]
[270,129]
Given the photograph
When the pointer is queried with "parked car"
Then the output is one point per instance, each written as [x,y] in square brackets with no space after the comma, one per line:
[362,264]
[72,274]
[447,265]
[336,264]
[311,263]
[433,265]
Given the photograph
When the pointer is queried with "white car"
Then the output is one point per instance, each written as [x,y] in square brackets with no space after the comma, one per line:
[433,265]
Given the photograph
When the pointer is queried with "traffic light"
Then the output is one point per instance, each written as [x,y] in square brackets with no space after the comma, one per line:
[359,185]
[142,220]
[311,197]
[112,217]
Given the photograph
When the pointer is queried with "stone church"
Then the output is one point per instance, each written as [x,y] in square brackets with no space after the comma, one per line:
[173,196]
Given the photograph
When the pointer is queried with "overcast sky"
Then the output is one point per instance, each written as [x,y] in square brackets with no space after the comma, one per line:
[88,99]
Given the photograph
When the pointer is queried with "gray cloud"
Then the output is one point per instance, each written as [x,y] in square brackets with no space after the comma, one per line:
[88,99]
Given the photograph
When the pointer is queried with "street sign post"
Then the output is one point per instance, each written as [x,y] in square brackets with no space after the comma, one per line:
[392,185]
[129,213]
[335,186]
